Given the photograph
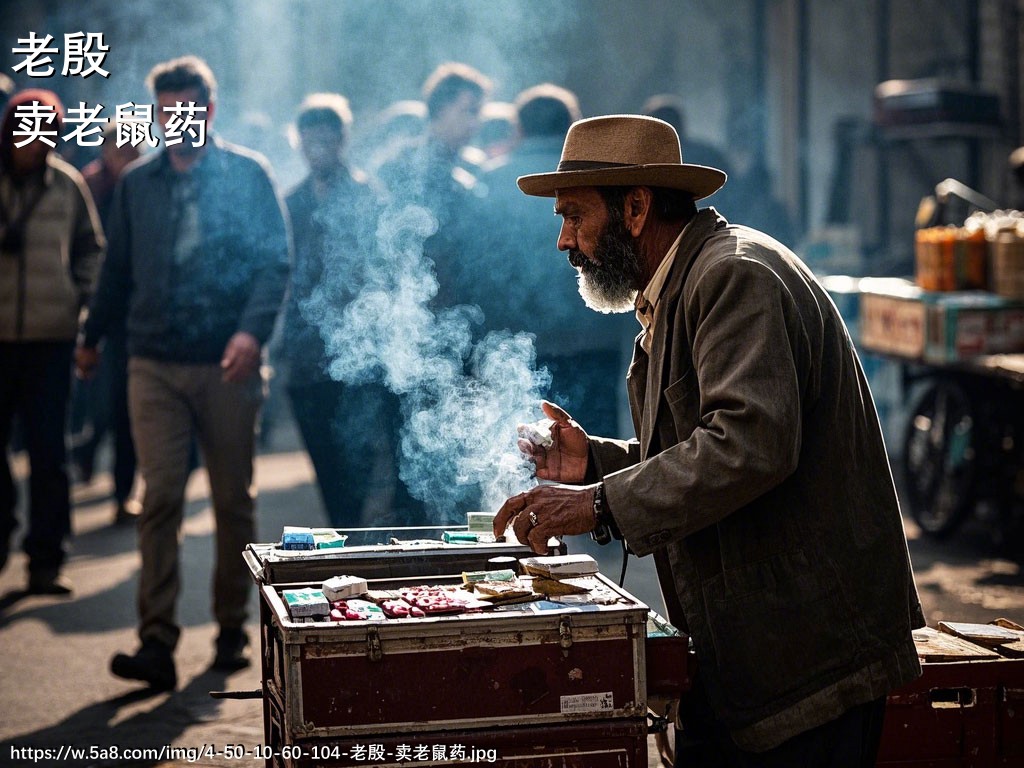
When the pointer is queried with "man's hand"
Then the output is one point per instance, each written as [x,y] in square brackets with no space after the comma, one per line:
[86,360]
[565,461]
[241,357]
[546,511]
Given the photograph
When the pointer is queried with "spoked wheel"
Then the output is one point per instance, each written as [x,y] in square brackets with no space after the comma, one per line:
[940,458]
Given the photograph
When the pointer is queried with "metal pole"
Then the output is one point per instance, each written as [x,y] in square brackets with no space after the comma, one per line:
[882,11]
[803,120]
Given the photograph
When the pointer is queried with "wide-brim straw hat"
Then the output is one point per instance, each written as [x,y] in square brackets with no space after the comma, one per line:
[623,150]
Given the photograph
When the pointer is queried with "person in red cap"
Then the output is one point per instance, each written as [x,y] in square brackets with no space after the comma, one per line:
[50,247]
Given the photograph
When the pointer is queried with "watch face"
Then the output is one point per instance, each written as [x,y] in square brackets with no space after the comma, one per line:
[601,534]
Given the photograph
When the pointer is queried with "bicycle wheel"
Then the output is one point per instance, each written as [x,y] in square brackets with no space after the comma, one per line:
[940,458]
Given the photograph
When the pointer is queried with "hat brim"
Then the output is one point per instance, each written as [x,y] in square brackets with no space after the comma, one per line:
[698,180]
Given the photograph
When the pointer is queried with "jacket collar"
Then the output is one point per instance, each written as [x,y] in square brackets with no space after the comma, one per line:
[703,226]
[211,160]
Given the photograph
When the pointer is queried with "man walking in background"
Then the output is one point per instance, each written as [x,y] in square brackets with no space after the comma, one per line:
[197,264]
[347,428]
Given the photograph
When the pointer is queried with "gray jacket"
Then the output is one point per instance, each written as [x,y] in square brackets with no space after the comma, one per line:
[760,482]
[46,283]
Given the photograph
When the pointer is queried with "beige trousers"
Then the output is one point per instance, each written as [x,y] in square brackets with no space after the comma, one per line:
[169,403]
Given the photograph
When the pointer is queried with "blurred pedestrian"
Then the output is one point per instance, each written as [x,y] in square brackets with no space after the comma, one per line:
[426,169]
[51,242]
[105,395]
[670,108]
[496,136]
[7,89]
[197,266]
[347,428]
[582,350]
[379,138]
[751,195]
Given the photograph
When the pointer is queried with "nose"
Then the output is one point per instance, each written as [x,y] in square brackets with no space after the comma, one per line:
[566,237]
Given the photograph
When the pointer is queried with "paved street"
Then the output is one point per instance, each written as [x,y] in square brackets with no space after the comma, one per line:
[56,691]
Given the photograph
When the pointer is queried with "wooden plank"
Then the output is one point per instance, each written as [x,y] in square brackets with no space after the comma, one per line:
[933,645]
[1014,650]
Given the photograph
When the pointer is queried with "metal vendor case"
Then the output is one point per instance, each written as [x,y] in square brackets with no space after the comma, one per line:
[535,682]
[369,553]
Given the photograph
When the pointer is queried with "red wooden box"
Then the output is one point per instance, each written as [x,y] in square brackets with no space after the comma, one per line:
[540,662]
[966,713]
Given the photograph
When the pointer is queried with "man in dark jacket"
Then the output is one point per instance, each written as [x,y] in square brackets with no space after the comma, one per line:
[198,262]
[349,429]
[758,480]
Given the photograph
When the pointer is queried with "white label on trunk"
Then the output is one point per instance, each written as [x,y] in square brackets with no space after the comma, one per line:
[587,702]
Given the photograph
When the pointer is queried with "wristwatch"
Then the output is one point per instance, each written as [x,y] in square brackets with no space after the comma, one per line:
[602,532]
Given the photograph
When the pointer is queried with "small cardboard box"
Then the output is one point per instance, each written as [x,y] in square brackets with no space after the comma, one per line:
[966,324]
[892,317]
[898,318]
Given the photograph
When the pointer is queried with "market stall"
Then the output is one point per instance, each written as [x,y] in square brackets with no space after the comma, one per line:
[431,652]
[456,651]
[957,330]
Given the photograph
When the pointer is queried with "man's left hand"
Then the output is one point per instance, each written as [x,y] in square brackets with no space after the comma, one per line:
[241,357]
[546,511]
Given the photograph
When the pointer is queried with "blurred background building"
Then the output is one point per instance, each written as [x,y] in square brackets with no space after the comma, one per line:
[784,87]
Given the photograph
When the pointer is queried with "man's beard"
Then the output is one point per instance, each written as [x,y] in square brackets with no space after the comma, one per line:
[609,283]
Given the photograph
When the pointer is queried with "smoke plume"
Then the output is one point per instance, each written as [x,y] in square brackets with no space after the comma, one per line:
[461,401]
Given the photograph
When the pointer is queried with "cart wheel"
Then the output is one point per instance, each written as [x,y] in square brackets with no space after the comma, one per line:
[939,459]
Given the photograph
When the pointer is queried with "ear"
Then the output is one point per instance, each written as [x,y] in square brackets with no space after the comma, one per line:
[638,207]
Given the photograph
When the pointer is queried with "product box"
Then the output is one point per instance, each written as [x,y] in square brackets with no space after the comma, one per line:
[965,324]
[305,602]
[899,318]
[560,566]
[892,317]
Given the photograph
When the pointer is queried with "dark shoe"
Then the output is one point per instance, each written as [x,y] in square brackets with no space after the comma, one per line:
[83,466]
[232,651]
[153,663]
[48,582]
[5,548]
[127,513]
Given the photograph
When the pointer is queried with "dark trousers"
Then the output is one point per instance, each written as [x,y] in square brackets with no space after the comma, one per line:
[849,741]
[35,386]
[347,429]
[106,401]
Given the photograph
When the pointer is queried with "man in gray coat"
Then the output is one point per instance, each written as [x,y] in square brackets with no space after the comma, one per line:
[758,480]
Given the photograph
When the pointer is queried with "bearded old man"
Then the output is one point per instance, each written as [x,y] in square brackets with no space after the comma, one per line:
[758,478]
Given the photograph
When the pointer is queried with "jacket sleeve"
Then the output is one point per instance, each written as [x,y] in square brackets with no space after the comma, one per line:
[109,305]
[608,455]
[87,243]
[743,437]
[271,251]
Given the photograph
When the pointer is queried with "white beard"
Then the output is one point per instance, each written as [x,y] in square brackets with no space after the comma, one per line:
[605,299]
